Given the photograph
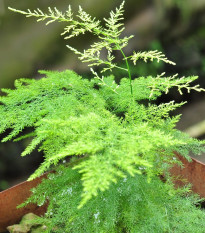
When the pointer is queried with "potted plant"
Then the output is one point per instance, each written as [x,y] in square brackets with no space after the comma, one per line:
[108,142]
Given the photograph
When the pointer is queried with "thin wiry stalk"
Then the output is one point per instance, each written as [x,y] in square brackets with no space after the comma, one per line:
[128,69]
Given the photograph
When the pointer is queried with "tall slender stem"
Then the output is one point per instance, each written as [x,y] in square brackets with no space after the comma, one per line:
[128,69]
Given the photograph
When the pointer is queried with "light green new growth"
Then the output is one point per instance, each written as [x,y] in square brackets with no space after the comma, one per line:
[109,36]
[103,125]
[150,55]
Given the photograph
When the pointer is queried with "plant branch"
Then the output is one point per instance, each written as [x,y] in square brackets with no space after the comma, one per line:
[128,68]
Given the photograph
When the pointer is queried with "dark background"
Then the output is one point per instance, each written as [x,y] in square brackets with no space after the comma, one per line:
[175,27]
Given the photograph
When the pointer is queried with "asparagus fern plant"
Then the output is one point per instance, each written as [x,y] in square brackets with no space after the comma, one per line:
[114,133]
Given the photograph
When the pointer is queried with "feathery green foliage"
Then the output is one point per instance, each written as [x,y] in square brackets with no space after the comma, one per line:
[111,131]
[132,205]
[71,117]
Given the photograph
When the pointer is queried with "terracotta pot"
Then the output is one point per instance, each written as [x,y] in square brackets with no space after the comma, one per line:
[14,196]
[193,173]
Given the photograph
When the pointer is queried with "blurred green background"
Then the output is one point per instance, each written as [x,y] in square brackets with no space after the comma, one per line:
[176,27]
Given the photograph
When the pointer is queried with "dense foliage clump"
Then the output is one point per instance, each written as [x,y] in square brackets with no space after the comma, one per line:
[72,117]
[113,139]
[131,205]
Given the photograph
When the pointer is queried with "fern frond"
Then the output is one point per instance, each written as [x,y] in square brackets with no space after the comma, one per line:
[150,55]
[113,26]
[52,15]
[163,83]
[123,157]
[35,142]
[163,110]
[28,135]
[109,35]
